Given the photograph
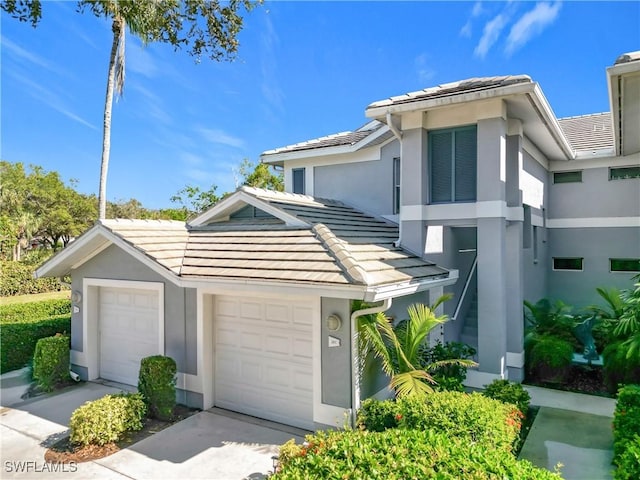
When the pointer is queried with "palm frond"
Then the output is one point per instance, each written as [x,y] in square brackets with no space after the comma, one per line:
[463,362]
[412,383]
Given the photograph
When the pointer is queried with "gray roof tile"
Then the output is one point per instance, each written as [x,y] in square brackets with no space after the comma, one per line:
[588,132]
[340,246]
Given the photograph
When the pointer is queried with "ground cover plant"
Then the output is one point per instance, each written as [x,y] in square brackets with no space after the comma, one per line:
[22,325]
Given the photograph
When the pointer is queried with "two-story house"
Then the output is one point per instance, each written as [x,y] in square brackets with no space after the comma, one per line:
[472,187]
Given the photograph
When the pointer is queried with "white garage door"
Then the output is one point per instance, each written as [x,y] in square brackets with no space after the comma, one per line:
[263,358]
[128,323]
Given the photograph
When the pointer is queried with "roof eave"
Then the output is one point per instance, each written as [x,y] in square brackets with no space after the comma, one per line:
[378,293]
[278,158]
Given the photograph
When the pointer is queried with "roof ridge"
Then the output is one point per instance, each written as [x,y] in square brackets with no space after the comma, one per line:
[584,116]
[283,196]
[107,222]
[344,258]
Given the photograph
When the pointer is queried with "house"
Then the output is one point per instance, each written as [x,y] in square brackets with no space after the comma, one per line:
[473,187]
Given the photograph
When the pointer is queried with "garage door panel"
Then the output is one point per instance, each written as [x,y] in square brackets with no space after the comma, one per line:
[129,331]
[267,371]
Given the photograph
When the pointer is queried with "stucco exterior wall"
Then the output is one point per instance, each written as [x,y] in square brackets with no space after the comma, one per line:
[179,304]
[595,196]
[596,246]
[336,361]
[367,186]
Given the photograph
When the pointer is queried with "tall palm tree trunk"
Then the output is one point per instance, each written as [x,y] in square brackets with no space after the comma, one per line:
[118,37]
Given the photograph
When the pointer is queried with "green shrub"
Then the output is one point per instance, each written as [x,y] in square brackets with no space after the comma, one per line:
[617,368]
[157,384]
[471,416]
[550,357]
[626,419]
[448,377]
[376,416]
[51,361]
[23,324]
[106,419]
[509,392]
[401,454]
[16,278]
[628,463]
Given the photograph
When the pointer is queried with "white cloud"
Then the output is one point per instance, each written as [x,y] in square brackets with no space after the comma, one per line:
[50,99]
[467,28]
[269,86]
[139,59]
[531,24]
[220,137]
[425,73]
[490,34]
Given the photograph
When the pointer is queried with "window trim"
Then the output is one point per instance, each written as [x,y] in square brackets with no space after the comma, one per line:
[474,127]
[611,260]
[568,171]
[630,167]
[553,264]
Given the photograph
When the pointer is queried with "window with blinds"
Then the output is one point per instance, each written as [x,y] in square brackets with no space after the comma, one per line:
[452,164]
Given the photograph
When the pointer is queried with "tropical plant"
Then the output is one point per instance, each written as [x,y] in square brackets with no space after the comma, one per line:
[399,348]
[550,358]
[207,27]
[448,377]
[545,318]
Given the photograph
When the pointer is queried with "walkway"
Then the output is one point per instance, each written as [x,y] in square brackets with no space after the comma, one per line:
[573,430]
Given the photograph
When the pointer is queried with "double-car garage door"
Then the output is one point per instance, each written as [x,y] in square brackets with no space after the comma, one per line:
[263,358]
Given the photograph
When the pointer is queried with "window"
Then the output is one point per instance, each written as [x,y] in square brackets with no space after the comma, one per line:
[624,172]
[568,263]
[624,264]
[452,163]
[298,180]
[396,185]
[567,177]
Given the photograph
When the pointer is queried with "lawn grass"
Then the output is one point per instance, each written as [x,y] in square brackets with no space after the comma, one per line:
[35,297]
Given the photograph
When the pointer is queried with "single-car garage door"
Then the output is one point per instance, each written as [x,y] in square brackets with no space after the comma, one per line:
[128,323]
[263,358]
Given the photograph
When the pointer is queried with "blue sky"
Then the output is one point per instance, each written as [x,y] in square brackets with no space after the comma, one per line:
[304,70]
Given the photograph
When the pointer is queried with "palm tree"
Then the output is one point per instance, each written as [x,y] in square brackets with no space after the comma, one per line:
[399,349]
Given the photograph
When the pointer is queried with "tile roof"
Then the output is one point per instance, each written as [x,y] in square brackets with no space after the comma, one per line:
[162,240]
[588,132]
[334,140]
[340,246]
[453,88]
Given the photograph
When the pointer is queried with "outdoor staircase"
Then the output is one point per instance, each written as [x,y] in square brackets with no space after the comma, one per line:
[469,334]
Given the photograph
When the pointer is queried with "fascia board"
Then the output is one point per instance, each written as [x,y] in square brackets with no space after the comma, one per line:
[66,255]
[239,199]
[614,93]
[541,104]
[448,100]
[273,158]
[402,289]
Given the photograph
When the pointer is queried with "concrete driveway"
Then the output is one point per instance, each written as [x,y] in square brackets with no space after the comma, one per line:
[213,444]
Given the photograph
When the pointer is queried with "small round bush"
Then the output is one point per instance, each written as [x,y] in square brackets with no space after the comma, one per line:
[106,419]
[509,392]
[550,358]
[157,384]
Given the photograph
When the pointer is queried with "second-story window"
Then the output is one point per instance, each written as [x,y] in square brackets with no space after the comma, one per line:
[298,180]
[452,164]
[396,185]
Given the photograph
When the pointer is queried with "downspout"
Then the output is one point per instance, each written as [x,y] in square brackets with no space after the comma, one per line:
[355,363]
[398,134]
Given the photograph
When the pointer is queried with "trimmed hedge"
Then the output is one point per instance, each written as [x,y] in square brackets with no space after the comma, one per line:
[626,425]
[51,361]
[474,417]
[509,392]
[22,325]
[106,419]
[16,278]
[157,384]
[400,454]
